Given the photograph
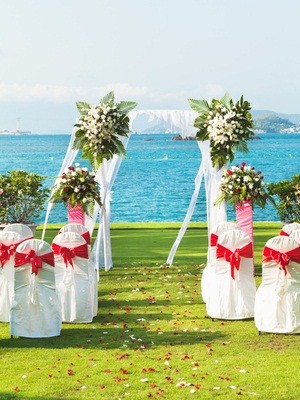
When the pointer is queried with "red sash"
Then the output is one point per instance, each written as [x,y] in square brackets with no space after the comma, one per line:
[282,259]
[69,253]
[213,239]
[283,233]
[87,237]
[234,258]
[6,252]
[35,260]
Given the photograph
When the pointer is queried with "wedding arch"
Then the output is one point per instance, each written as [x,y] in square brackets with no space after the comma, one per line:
[174,121]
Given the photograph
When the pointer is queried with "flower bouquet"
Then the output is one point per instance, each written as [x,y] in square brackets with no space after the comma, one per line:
[243,183]
[77,186]
[243,186]
[227,125]
[100,128]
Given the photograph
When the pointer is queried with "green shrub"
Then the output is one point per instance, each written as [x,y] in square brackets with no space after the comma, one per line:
[287,198]
[22,196]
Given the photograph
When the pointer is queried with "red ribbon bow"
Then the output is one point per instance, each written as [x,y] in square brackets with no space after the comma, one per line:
[35,260]
[234,257]
[69,253]
[6,252]
[282,259]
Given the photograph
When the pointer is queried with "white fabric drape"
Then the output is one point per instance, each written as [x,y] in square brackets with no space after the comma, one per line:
[215,214]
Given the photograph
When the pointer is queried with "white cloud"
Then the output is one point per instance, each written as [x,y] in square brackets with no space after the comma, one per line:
[38,92]
[213,91]
[62,94]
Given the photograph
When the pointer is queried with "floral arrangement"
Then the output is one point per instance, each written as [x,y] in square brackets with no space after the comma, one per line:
[77,186]
[22,196]
[227,125]
[242,183]
[100,128]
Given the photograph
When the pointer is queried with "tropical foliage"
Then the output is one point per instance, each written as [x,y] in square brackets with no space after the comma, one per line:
[287,198]
[227,125]
[101,127]
[22,196]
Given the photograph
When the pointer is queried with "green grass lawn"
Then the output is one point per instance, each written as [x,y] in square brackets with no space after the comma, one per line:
[151,338]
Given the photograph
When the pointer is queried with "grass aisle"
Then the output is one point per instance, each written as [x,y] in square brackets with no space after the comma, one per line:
[151,339]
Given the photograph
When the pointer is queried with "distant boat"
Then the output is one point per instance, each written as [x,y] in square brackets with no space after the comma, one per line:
[16,132]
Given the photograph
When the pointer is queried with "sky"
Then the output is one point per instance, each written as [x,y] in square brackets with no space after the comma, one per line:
[159,53]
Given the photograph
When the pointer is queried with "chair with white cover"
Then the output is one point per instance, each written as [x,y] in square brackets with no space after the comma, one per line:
[277,302]
[295,235]
[232,292]
[287,229]
[23,230]
[94,272]
[35,309]
[208,272]
[8,244]
[73,280]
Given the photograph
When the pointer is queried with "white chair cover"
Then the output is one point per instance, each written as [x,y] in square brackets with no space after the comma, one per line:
[23,230]
[295,235]
[73,283]
[289,228]
[232,291]
[8,244]
[94,271]
[277,302]
[35,309]
[207,274]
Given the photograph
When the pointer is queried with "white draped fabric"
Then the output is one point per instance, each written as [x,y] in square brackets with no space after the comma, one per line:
[35,311]
[74,283]
[208,272]
[277,299]
[232,297]
[8,244]
[174,121]
[215,213]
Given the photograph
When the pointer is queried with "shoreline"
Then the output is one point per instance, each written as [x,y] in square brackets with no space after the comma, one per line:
[162,225]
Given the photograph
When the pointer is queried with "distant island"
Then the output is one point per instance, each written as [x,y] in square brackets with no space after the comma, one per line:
[269,122]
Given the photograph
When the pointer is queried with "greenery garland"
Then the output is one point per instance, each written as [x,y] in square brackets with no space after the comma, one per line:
[227,125]
[100,128]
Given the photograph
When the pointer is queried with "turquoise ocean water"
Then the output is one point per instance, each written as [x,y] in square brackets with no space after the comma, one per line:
[156,179]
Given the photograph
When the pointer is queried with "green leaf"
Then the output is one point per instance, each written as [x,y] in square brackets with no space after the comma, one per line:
[82,107]
[126,106]
[226,100]
[109,98]
[242,147]
[199,106]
